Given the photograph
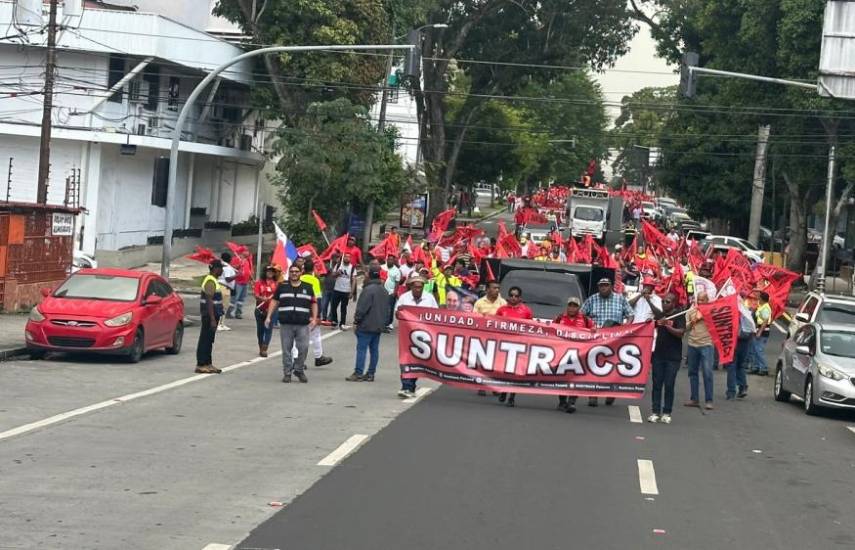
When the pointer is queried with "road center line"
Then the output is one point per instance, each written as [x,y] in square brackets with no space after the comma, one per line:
[634,414]
[61,417]
[647,477]
[215,546]
[343,450]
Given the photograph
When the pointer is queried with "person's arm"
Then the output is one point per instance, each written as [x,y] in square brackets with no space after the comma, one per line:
[314,319]
[274,306]
[628,312]
[634,300]
[587,308]
[210,289]
[363,307]
[353,285]
[657,310]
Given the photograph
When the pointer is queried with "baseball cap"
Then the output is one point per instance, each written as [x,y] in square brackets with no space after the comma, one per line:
[574,300]
[604,281]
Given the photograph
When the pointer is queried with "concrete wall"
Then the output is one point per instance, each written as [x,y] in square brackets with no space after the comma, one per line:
[24,152]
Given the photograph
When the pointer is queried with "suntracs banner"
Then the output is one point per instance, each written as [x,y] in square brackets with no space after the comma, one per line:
[510,355]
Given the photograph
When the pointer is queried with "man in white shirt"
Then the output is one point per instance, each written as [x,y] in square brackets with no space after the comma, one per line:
[647,305]
[393,279]
[415,296]
[227,279]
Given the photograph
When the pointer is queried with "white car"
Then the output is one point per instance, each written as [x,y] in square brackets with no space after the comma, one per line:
[748,249]
[824,308]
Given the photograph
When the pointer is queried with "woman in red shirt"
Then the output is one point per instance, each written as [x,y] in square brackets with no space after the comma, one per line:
[572,317]
[264,289]
[515,309]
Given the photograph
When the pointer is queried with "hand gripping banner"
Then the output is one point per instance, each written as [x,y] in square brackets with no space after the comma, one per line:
[509,355]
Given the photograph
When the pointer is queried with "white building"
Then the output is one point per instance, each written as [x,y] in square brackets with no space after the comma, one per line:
[122,77]
[401,113]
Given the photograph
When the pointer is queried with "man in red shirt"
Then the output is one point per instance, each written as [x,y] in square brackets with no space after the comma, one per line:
[572,317]
[353,250]
[515,309]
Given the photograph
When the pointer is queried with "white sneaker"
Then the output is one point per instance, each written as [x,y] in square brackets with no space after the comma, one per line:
[666,419]
[653,418]
[344,327]
[403,394]
[222,328]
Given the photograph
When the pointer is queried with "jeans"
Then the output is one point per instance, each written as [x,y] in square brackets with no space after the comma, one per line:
[758,354]
[236,303]
[664,376]
[736,380]
[339,302]
[326,301]
[289,335]
[391,317]
[408,384]
[264,334]
[205,347]
[701,358]
[367,342]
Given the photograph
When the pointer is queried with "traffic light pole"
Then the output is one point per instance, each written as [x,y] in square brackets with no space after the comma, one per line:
[166,256]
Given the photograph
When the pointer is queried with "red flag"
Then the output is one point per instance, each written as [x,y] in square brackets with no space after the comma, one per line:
[336,246]
[629,255]
[722,320]
[309,251]
[490,276]
[419,255]
[237,249]
[585,250]
[318,220]
[440,224]
[778,282]
[572,251]
[202,254]
[384,249]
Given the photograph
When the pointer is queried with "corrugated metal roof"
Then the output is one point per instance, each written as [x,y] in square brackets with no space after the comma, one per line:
[837,58]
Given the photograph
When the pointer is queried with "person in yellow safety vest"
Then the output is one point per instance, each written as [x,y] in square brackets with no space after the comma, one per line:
[211,311]
[689,282]
[309,276]
[443,279]
[763,320]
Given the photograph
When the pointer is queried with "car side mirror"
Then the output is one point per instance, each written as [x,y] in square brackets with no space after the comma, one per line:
[152,300]
[802,317]
[45,292]
[803,350]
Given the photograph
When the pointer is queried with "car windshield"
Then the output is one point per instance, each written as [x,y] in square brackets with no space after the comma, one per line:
[746,244]
[837,314]
[99,287]
[588,214]
[838,344]
[545,292]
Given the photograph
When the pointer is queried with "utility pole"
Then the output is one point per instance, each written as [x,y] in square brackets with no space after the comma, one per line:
[50,73]
[381,129]
[828,232]
[759,186]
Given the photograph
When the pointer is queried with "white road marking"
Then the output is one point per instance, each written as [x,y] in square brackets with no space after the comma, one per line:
[851,429]
[634,414]
[421,393]
[779,327]
[343,450]
[215,546]
[647,477]
[57,418]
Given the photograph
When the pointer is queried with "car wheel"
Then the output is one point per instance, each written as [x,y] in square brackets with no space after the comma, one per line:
[811,408]
[780,393]
[136,350]
[177,340]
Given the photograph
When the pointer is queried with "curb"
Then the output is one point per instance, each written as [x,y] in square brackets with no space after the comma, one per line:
[8,354]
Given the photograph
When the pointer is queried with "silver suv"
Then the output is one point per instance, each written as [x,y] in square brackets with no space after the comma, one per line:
[822,308]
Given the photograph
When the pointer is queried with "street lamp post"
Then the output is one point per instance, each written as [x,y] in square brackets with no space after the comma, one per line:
[185,111]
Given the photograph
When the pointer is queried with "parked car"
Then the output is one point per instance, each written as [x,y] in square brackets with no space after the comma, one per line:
[818,307]
[696,235]
[538,232]
[818,364]
[748,249]
[114,311]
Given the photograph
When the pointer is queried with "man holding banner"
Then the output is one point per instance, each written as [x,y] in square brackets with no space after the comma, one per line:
[701,354]
[666,359]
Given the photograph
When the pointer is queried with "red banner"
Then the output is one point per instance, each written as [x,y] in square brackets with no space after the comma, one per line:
[722,320]
[510,355]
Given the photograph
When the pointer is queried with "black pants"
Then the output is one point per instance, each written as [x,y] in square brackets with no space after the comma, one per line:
[664,376]
[205,347]
[339,302]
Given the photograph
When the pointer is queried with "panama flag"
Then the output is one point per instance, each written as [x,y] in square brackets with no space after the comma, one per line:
[285,251]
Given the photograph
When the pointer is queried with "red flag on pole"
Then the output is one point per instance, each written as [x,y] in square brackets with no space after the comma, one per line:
[318,220]
[336,246]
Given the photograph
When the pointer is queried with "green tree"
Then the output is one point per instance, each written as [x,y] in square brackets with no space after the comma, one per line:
[334,160]
[638,128]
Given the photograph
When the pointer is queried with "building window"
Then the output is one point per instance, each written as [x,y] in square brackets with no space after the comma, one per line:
[160,181]
[151,81]
[115,73]
[174,93]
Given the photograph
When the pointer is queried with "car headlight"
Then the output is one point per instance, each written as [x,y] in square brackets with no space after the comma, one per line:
[36,315]
[829,372]
[120,320]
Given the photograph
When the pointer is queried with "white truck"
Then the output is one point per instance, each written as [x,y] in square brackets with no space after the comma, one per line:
[588,212]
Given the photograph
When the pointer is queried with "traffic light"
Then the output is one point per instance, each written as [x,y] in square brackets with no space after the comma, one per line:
[688,81]
[412,61]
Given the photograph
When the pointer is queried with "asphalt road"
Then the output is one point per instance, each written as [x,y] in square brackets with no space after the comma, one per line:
[461,471]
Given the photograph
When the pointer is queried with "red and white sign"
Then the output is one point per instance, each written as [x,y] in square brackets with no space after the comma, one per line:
[509,355]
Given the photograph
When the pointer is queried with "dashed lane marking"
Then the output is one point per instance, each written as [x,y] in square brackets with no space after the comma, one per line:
[851,429]
[634,414]
[61,417]
[647,477]
[343,450]
[215,546]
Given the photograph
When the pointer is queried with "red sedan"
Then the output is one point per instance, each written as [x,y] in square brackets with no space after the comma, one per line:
[117,311]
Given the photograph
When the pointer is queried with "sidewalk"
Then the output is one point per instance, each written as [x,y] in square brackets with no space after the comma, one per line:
[12,335]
